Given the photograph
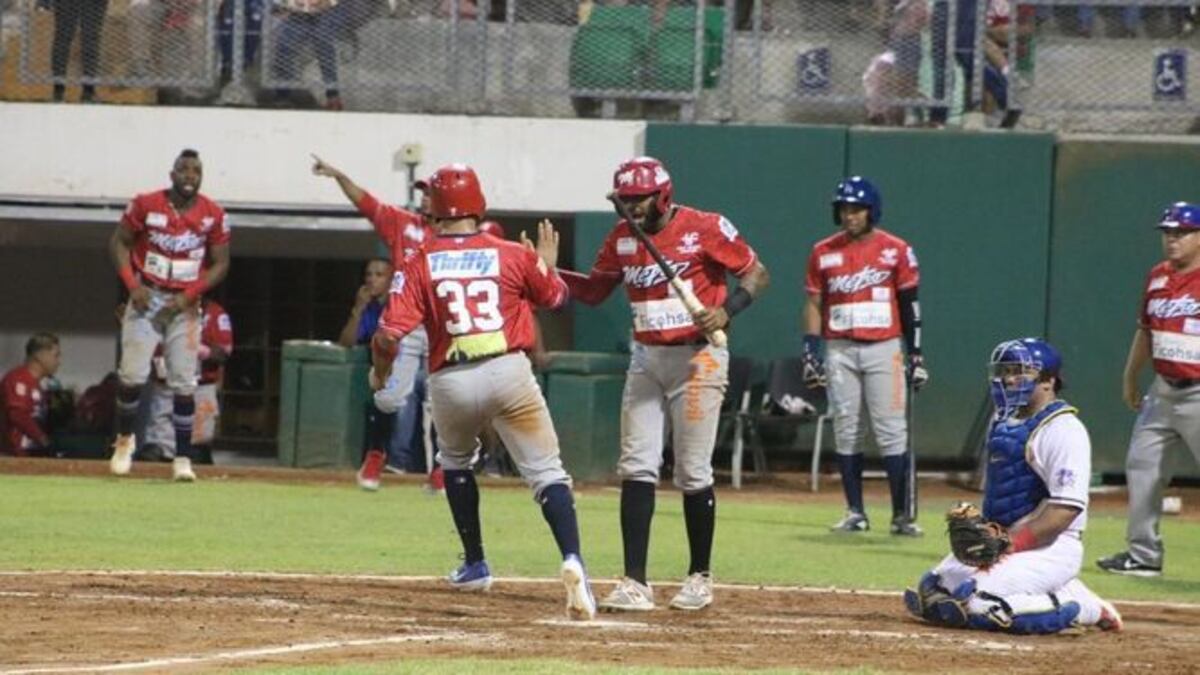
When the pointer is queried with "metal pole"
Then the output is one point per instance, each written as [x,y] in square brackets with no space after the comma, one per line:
[239,40]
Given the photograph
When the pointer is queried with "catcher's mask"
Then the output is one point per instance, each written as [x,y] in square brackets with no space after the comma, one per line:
[1015,369]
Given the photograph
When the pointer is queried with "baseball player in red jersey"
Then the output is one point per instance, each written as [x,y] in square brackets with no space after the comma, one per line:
[23,411]
[1168,338]
[475,295]
[404,232]
[216,345]
[673,370]
[862,297]
[170,247]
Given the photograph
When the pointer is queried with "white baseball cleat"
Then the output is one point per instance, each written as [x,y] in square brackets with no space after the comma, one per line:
[629,596]
[181,470]
[122,458]
[581,606]
[695,594]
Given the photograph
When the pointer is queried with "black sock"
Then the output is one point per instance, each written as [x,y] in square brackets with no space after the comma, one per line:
[380,426]
[851,467]
[637,510]
[127,407]
[463,494]
[700,515]
[558,508]
[183,417]
[202,454]
[897,475]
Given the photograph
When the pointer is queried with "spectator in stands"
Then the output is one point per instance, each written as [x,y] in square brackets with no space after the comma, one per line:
[1131,17]
[319,23]
[252,18]
[166,41]
[368,303]
[23,398]
[85,17]
[895,73]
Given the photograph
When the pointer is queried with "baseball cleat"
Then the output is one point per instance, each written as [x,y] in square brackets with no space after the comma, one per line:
[629,596]
[122,458]
[696,593]
[853,521]
[181,470]
[581,605]
[1123,563]
[1110,618]
[474,576]
[903,527]
[371,470]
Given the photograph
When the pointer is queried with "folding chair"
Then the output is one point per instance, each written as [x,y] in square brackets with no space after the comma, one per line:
[736,407]
[788,402]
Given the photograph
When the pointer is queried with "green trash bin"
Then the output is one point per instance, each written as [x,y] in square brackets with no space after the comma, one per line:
[323,395]
[608,51]
[583,391]
[673,49]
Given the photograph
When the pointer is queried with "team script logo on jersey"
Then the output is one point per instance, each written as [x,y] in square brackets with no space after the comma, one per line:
[469,264]
[646,276]
[1170,308]
[853,283]
[691,243]
[176,243]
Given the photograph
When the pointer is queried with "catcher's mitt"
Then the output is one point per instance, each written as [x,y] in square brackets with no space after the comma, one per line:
[975,541]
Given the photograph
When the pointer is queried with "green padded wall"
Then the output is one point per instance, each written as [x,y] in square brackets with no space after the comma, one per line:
[976,207]
[1107,197]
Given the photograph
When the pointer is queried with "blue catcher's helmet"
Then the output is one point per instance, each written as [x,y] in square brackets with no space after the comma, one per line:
[1180,216]
[1033,357]
[858,190]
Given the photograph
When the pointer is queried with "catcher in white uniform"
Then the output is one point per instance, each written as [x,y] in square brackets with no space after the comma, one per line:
[1015,566]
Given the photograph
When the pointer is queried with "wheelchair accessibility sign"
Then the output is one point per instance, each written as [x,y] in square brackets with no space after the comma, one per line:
[812,70]
[1170,75]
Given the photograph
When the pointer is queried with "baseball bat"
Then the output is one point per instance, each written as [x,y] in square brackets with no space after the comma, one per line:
[717,338]
[910,497]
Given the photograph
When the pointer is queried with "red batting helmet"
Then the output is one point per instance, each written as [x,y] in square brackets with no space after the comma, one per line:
[455,193]
[643,176]
[493,228]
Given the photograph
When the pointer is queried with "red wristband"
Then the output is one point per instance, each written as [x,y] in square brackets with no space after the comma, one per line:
[127,277]
[195,289]
[1022,540]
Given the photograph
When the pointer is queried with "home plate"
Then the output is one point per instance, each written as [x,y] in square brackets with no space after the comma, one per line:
[595,623]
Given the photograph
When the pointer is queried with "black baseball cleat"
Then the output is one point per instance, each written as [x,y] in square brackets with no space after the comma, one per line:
[1123,563]
[903,527]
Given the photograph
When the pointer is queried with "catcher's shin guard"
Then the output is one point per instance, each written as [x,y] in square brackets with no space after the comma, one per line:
[1047,618]
[933,603]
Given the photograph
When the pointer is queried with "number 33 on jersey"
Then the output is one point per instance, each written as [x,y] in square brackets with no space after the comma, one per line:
[475,294]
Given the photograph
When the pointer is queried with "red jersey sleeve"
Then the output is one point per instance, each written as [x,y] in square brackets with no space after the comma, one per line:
[406,305]
[812,277]
[218,329]
[20,409]
[219,234]
[543,286]
[908,272]
[389,221]
[723,244]
[594,287]
[134,218]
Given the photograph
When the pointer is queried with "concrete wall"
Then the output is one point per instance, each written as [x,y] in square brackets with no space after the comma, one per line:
[262,156]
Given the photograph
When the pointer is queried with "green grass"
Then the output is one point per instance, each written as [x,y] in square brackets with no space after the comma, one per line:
[102,523]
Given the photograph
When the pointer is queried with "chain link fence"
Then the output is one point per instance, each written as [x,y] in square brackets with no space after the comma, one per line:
[1075,65]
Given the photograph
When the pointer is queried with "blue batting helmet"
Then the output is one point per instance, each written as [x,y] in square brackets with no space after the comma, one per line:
[858,190]
[1034,356]
[1180,216]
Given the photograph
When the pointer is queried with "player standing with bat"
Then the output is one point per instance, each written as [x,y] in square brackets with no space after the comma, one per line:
[679,365]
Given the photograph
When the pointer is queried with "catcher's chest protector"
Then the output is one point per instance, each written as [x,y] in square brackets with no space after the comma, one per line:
[1013,488]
